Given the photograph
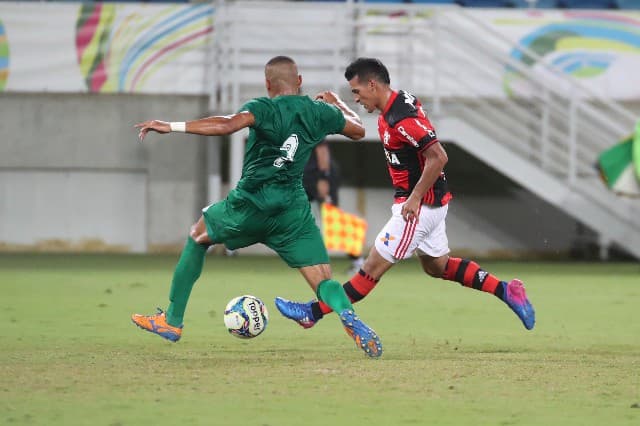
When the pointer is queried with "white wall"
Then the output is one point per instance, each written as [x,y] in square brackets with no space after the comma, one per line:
[81,210]
[74,176]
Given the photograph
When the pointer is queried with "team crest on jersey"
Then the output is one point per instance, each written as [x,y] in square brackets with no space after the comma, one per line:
[387,237]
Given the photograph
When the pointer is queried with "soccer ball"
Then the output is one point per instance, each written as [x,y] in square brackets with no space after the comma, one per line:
[246,316]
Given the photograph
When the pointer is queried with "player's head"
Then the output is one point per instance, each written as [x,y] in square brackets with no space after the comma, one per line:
[281,76]
[369,81]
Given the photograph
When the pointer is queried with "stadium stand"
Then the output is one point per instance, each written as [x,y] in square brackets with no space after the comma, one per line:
[435,1]
[537,4]
[522,4]
[587,4]
[486,3]
[628,4]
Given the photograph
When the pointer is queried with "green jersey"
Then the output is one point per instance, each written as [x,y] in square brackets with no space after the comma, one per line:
[286,130]
[269,205]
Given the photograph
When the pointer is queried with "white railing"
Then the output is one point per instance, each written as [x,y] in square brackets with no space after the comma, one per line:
[569,123]
[447,56]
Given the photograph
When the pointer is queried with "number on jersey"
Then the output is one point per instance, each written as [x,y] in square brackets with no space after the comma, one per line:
[288,149]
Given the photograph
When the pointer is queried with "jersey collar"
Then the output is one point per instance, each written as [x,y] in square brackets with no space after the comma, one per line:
[392,98]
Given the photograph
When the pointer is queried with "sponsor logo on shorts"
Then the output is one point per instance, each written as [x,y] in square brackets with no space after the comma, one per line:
[387,237]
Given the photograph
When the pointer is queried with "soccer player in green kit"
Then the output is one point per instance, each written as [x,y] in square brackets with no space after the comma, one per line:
[269,204]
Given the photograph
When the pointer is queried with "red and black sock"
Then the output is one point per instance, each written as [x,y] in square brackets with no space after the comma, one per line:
[356,288]
[469,274]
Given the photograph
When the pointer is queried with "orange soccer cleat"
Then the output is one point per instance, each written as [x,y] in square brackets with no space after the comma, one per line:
[157,324]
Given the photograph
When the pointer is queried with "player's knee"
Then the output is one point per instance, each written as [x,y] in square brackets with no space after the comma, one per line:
[434,267]
[198,234]
[431,271]
[193,232]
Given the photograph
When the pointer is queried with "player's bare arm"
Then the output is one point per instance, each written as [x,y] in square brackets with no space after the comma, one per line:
[353,128]
[435,159]
[210,126]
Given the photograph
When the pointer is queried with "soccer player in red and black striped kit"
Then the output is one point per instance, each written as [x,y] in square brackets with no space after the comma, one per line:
[415,160]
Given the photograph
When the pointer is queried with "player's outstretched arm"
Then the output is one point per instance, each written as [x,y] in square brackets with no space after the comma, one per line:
[353,128]
[210,126]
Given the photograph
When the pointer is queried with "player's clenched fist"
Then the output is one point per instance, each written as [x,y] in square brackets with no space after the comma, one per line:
[328,97]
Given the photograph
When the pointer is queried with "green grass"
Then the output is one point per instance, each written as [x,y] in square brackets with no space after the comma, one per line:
[70,355]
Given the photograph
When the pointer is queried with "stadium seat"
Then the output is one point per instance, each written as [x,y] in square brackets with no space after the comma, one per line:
[587,4]
[628,4]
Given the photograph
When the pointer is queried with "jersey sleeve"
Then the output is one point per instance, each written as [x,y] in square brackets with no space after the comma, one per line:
[331,118]
[259,108]
[417,132]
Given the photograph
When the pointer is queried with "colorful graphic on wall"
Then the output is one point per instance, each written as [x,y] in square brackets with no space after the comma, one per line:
[120,49]
[586,45]
[4,57]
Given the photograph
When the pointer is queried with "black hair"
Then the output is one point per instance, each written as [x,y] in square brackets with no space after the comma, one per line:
[366,69]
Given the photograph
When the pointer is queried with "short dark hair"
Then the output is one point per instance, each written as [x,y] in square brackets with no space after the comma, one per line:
[367,68]
[277,60]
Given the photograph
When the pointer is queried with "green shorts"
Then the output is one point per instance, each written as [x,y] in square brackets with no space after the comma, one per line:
[291,231]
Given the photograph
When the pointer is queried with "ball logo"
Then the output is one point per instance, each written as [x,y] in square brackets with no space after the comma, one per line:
[255,315]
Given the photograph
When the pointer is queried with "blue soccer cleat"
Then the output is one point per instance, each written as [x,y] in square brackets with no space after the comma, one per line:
[296,311]
[515,297]
[365,338]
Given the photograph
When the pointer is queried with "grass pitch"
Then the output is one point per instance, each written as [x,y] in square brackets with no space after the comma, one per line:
[69,354]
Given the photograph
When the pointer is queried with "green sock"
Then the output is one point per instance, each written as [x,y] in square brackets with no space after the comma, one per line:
[332,293]
[185,275]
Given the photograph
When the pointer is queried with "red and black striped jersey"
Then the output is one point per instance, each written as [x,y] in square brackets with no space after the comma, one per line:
[405,132]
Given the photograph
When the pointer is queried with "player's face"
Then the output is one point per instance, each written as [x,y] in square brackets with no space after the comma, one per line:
[364,93]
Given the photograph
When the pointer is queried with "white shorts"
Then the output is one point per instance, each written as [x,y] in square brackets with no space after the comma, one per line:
[399,239]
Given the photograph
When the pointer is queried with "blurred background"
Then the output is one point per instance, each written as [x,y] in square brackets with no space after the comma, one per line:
[525,96]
